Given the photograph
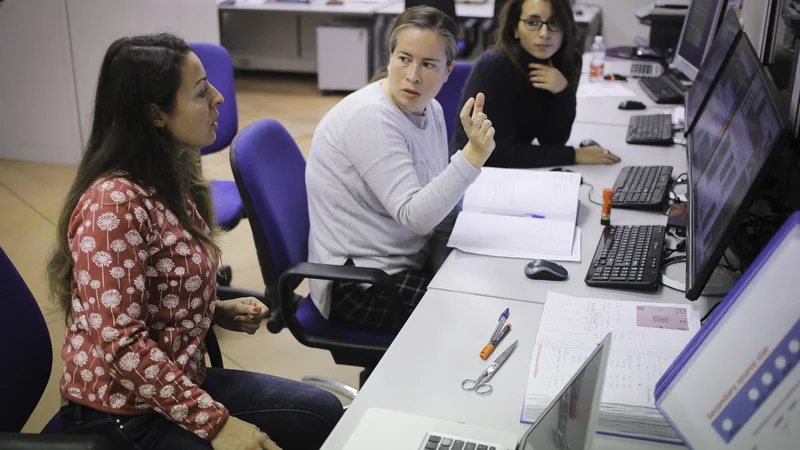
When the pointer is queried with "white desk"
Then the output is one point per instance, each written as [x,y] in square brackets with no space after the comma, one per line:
[504,277]
[281,36]
[463,10]
[605,110]
[438,348]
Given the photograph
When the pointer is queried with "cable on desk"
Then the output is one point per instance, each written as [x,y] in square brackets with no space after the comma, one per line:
[591,191]
[708,314]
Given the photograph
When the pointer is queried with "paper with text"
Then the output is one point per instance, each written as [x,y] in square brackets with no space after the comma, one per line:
[483,233]
[571,328]
[515,192]
[523,254]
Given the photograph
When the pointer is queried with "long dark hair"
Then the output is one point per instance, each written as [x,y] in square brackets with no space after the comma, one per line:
[564,59]
[424,18]
[136,72]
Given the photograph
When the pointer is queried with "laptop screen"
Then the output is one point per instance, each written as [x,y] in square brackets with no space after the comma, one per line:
[567,422]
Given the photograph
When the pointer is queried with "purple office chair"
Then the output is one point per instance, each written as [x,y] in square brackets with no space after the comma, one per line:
[270,173]
[28,355]
[228,207]
[450,95]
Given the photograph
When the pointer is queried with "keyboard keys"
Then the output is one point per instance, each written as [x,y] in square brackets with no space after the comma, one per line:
[458,445]
[642,187]
[633,259]
[469,446]
[435,439]
[483,447]
[431,446]
[447,442]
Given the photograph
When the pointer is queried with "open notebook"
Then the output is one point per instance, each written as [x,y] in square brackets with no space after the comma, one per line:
[520,214]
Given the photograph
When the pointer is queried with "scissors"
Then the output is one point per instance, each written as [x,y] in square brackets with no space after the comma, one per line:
[480,385]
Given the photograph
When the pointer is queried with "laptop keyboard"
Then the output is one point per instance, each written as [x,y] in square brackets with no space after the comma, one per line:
[440,442]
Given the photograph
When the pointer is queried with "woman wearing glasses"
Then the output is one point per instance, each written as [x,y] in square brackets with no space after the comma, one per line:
[530,79]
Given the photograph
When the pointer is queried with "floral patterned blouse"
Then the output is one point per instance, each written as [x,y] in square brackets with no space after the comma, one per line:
[143,301]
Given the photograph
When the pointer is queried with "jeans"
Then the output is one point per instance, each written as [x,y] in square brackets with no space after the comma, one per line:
[294,415]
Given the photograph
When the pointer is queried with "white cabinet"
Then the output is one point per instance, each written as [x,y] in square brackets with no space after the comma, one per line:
[342,58]
[50,55]
[39,121]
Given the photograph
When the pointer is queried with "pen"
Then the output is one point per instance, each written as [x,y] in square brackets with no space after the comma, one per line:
[489,348]
[500,322]
[535,216]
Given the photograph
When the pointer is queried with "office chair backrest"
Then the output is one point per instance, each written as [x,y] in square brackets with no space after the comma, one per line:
[219,71]
[270,174]
[26,354]
[446,6]
[450,95]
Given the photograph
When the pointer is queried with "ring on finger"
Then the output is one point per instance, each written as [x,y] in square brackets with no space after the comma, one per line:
[476,122]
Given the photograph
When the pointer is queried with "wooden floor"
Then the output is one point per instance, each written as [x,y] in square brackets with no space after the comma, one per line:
[31,196]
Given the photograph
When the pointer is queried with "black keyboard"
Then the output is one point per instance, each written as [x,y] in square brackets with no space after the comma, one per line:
[665,89]
[642,187]
[651,129]
[628,257]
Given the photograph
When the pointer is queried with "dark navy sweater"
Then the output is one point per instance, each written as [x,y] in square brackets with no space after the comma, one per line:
[520,113]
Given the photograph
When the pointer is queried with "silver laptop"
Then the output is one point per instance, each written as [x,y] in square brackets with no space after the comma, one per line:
[568,423]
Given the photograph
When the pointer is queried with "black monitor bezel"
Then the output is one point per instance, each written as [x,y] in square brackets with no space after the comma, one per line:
[696,280]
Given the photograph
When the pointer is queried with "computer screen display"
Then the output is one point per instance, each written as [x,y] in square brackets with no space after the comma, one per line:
[699,26]
[723,42]
[721,192]
[712,120]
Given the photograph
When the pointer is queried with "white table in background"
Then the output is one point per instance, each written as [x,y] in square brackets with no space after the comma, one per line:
[281,35]
[437,349]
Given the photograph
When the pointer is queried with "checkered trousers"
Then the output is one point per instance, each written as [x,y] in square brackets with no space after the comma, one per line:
[369,308]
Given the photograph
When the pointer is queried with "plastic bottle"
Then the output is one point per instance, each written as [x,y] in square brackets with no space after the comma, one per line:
[598,59]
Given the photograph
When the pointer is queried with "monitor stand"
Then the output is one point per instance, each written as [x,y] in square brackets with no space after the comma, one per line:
[720,283]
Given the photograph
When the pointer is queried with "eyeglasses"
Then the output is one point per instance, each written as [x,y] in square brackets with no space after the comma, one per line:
[535,24]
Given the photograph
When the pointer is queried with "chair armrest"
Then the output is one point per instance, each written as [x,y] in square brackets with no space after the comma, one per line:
[19,441]
[375,277]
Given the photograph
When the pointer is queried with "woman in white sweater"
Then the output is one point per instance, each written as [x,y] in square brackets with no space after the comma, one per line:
[381,192]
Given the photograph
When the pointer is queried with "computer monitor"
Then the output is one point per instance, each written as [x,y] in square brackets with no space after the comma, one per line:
[712,120]
[698,30]
[722,190]
[721,48]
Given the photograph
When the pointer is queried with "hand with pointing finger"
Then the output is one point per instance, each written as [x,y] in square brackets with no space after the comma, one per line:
[479,130]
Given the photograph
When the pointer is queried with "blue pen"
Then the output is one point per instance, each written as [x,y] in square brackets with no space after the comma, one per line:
[500,322]
[535,216]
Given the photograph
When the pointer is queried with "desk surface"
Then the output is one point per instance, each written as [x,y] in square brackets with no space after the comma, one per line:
[605,110]
[504,278]
[349,7]
[419,378]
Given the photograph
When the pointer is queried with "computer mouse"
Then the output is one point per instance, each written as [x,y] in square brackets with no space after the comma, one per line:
[561,169]
[589,143]
[632,105]
[542,269]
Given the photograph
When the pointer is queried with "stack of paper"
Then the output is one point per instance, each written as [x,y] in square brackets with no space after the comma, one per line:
[520,214]
[646,339]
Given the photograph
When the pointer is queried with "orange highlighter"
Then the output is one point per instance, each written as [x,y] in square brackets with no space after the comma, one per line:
[492,345]
[605,218]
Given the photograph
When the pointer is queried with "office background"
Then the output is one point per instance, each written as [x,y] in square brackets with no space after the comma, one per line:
[49,57]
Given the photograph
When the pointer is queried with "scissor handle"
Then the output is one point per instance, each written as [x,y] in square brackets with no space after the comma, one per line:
[479,387]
